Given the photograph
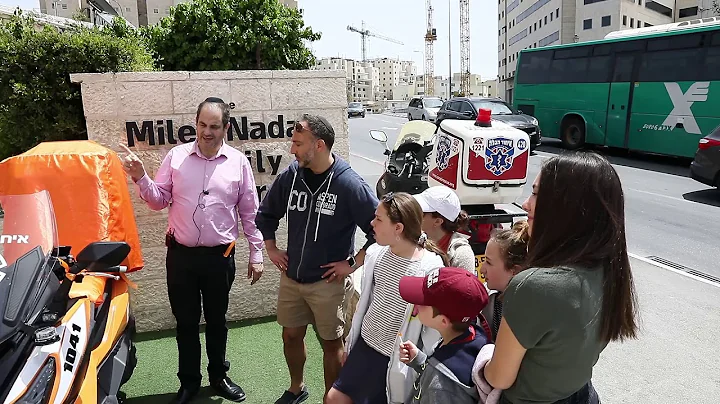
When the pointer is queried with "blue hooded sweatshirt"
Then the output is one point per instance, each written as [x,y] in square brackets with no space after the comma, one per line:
[321,224]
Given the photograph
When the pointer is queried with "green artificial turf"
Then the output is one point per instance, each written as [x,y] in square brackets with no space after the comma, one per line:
[257,364]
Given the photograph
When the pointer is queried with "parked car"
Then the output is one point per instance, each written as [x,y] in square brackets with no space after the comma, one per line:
[466,108]
[705,167]
[356,109]
[424,108]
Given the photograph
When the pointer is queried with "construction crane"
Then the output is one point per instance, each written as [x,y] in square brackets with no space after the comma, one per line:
[365,33]
[465,47]
[430,37]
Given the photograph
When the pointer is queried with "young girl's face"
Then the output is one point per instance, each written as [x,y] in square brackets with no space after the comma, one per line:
[496,274]
[386,232]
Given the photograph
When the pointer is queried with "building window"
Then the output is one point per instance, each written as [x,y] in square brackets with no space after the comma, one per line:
[659,8]
[592,1]
[557,13]
[551,16]
[545,20]
[624,21]
[632,22]
[639,24]
[648,25]
[688,12]
[540,23]
[64,6]
[606,21]
[587,24]
[156,11]
[640,2]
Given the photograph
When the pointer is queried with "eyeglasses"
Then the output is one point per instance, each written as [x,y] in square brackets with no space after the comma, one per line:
[299,127]
[389,198]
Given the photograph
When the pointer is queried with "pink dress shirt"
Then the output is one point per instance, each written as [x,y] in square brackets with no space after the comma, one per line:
[206,196]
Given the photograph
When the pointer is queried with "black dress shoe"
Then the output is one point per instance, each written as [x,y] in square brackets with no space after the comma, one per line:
[228,390]
[184,396]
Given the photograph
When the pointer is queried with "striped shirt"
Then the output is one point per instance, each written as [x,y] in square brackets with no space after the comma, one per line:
[384,317]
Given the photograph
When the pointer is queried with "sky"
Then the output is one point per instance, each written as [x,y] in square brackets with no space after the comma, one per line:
[402,20]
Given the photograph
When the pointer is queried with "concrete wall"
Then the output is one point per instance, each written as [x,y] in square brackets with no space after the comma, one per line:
[154,111]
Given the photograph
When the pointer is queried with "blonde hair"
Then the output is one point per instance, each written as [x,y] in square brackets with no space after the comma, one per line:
[513,243]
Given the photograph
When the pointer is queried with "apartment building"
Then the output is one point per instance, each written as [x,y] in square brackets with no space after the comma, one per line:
[136,12]
[363,79]
[524,24]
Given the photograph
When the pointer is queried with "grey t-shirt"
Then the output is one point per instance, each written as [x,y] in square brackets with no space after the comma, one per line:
[555,313]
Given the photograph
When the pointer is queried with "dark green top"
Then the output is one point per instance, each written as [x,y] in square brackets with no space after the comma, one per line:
[555,314]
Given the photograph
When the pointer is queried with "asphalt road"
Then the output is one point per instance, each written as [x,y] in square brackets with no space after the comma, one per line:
[668,215]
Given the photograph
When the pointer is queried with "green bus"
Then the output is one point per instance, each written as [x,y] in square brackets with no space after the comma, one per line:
[653,89]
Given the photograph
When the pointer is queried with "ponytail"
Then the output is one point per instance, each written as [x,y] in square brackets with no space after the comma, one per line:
[451,227]
[429,245]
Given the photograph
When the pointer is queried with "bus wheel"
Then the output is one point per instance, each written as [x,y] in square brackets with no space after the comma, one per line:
[573,133]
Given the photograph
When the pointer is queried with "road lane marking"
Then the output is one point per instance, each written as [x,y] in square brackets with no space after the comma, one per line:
[661,195]
[382,163]
[671,269]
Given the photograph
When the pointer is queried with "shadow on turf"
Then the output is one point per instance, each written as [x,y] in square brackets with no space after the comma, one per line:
[205,396]
[152,335]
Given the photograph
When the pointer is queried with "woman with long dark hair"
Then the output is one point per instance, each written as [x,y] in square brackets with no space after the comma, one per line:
[576,293]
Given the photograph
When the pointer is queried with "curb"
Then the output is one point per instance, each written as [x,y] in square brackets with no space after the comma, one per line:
[671,269]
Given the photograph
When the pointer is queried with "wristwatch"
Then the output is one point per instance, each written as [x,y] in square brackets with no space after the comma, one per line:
[351,262]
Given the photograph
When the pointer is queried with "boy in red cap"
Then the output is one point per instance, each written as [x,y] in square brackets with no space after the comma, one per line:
[448,300]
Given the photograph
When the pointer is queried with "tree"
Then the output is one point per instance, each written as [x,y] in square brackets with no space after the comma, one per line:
[716,7]
[37,100]
[79,15]
[232,35]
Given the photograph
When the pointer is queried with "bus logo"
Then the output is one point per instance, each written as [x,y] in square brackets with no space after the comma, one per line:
[682,102]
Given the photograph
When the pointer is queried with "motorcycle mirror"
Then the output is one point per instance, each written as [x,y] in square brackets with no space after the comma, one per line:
[378,135]
[104,253]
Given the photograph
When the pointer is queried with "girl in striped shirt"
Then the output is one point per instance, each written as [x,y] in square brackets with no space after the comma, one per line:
[401,250]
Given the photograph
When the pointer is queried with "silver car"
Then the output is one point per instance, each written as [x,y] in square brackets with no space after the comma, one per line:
[424,108]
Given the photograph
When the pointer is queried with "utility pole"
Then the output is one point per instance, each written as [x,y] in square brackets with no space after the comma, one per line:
[449,55]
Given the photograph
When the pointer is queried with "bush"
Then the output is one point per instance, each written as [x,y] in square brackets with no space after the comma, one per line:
[37,100]
[232,35]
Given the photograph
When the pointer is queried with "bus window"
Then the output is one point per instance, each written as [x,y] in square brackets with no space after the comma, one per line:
[623,68]
[712,63]
[715,39]
[534,67]
[599,69]
[568,70]
[676,42]
[628,46]
[671,65]
[602,50]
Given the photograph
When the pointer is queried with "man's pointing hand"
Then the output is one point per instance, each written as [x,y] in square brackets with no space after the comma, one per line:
[132,164]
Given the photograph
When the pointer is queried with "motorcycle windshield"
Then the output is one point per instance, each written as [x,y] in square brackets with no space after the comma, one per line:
[28,236]
[415,132]
[28,223]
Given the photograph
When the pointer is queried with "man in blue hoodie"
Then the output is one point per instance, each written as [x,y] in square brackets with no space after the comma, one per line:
[323,201]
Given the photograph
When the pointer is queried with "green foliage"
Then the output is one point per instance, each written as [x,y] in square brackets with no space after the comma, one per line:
[232,35]
[37,100]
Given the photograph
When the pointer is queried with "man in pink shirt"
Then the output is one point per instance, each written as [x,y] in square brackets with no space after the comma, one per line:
[208,186]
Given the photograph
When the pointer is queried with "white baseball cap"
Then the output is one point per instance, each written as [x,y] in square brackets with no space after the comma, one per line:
[440,199]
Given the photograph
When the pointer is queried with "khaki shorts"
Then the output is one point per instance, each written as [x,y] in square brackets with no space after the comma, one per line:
[322,304]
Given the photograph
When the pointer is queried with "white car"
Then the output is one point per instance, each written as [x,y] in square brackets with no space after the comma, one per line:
[424,108]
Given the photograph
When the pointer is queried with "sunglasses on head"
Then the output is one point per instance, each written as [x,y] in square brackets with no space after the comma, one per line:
[299,127]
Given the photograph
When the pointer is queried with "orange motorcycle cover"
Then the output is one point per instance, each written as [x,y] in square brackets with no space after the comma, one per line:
[89,192]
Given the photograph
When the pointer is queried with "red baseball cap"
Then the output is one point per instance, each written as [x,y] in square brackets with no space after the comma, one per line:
[454,292]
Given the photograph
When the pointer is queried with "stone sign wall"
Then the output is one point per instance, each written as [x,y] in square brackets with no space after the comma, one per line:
[151,112]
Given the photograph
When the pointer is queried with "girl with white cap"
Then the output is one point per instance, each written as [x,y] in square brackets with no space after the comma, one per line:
[441,219]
